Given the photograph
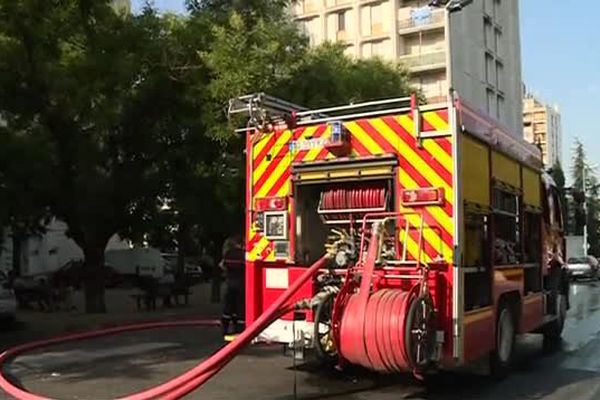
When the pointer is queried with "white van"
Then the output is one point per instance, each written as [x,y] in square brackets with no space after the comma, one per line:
[145,261]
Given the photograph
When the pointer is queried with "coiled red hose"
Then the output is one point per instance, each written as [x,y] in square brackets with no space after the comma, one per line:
[373,327]
[342,199]
[188,381]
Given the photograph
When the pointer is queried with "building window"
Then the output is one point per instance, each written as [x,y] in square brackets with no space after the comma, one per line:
[488,34]
[491,101]
[372,20]
[341,21]
[499,76]
[507,240]
[490,73]
[497,40]
[500,107]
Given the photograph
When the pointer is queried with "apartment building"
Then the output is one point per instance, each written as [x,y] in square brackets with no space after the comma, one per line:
[542,127]
[479,53]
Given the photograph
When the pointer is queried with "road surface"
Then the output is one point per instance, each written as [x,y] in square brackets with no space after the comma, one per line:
[109,367]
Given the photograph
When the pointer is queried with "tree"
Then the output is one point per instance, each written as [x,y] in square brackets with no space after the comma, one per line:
[98,91]
[579,164]
[593,215]
[125,112]
[590,197]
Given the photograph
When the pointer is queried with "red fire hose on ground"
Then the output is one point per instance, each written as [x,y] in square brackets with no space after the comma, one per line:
[190,380]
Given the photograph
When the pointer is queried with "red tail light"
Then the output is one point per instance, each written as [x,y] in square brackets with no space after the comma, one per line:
[270,204]
[422,197]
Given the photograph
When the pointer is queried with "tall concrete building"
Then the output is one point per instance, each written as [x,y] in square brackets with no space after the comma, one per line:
[479,53]
[542,126]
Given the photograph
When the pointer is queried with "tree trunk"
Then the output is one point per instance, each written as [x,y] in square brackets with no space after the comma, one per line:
[17,245]
[182,233]
[94,279]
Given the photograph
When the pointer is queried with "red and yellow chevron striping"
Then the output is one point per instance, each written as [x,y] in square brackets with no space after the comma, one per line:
[425,164]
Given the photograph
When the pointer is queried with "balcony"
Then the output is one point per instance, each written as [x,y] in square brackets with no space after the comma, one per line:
[418,22]
[424,61]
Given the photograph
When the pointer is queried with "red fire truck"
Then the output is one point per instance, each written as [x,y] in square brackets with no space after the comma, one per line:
[444,236]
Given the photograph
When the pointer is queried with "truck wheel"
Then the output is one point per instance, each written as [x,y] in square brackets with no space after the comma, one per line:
[553,330]
[323,331]
[501,357]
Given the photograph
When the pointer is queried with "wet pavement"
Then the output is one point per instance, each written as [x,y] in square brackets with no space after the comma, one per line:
[109,367]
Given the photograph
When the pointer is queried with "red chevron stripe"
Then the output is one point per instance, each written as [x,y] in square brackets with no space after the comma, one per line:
[377,136]
[428,248]
[282,180]
[302,153]
[265,253]
[425,155]
[265,150]
[322,154]
[360,148]
[422,182]
[271,167]
[252,242]
[426,126]
[445,144]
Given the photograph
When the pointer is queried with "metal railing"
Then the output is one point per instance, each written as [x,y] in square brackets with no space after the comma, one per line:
[435,18]
[424,59]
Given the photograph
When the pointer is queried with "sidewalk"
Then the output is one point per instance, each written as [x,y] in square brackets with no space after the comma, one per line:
[121,309]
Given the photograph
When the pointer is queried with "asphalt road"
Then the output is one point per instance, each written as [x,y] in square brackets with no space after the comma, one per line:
[109,367]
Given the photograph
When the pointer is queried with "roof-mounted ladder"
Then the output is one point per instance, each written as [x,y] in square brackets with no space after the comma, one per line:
[262,109]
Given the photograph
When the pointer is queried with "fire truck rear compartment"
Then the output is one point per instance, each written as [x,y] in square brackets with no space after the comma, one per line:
[321,207]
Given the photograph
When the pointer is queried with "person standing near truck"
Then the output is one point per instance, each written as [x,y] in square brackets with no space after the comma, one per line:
[233,266]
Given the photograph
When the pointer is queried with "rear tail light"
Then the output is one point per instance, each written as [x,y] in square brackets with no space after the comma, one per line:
[270,204]
[422,197]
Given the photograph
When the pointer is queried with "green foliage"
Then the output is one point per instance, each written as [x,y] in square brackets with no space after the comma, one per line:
[581,172]
[108,115]
[326,76]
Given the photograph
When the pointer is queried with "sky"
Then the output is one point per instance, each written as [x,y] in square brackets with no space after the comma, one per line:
[560,48]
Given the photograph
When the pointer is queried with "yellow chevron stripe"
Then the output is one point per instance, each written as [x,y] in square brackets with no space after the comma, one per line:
[259,170]
[260,144]
[285,164]
[282,166]
[313,153]
[431,145]
[436,121]
[431,237]
[443,158]
[366,140]
[258,249]
[418,163]
[270,257]
[412,248]
[443,219]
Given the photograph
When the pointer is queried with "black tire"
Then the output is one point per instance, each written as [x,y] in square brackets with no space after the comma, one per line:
[506,331]
[324,345]
[420,332]
[553,330]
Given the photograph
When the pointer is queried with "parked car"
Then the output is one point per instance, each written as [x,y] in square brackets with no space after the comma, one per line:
[583,268]
[8,300]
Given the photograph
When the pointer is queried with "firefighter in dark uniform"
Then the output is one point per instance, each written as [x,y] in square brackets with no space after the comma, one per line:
[234,309]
